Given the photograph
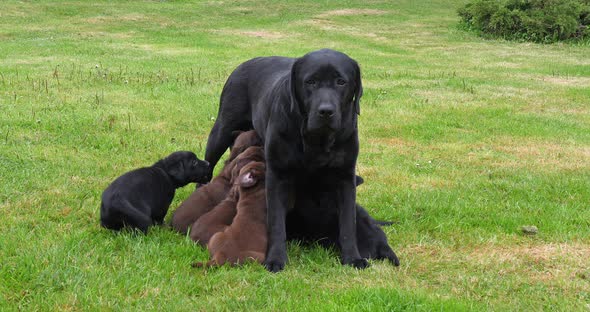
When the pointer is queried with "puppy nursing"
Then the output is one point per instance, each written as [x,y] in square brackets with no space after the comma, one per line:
[246,238]
[206,197]
[223,214]
[304,112]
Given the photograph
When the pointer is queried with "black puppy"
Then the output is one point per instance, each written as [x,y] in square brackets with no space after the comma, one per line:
[371,239]
[308,227]
[141,197]
[305,110]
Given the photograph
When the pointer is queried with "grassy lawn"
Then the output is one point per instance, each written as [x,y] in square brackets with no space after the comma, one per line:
[463,142]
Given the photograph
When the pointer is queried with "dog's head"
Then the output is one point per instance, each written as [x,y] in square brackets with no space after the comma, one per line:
[184,167]
[251,154]
[242,141]
[252,174]
[326,88]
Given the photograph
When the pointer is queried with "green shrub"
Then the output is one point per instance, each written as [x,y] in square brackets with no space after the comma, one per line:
[535,20]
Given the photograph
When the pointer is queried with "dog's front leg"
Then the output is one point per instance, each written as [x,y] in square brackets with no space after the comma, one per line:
[347,224]
[279,197]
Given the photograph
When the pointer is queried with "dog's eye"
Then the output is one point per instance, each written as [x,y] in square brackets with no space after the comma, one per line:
[341,82]
[310,82]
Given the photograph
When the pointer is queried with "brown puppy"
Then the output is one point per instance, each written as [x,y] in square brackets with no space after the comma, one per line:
[246,238]
[222,215]
[209,195]
[216,220]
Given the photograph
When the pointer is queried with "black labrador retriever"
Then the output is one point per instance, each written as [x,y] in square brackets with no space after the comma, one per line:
[305,110]
[141,197]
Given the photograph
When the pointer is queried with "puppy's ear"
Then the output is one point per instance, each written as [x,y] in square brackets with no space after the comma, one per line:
[236,133]
[293,87]
[235,171]
[358,92]
[175,168]
[248,180]
[359,180]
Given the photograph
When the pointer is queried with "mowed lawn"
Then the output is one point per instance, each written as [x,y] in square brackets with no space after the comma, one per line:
[463,142]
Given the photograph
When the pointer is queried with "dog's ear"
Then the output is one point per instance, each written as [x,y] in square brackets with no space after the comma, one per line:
[236,133]
[248,179]
[175,168]
[293,87]
[235,170]
[359,180]
[358,92]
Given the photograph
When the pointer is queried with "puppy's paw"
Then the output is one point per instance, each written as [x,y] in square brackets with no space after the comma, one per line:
[198,264]
[392,257]
[385,252]
[274,266]
[360,263]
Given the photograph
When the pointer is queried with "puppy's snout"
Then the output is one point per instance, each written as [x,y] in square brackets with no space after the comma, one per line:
[326,110]
[206,163]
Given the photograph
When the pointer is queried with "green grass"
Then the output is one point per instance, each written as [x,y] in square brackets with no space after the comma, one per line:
[463,141]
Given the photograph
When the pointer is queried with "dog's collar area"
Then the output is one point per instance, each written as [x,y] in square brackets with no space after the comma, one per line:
[315,142]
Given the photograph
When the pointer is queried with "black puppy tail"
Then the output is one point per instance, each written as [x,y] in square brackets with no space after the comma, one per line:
[362,213]
[384,223]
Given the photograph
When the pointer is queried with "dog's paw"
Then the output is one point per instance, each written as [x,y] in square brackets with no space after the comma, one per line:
[276,258]
[274,266]
[392,257]
[360,263]
[198,264]
[385,252]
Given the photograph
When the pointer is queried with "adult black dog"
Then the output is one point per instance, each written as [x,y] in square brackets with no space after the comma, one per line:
[141,197]
[305,110]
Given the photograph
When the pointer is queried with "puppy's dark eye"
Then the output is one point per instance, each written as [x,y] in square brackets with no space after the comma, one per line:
[310,82]
[341,81]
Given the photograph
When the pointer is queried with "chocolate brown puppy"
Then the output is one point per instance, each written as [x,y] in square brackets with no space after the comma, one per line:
[246,238]
[222,215]
[216,220]
[203,199]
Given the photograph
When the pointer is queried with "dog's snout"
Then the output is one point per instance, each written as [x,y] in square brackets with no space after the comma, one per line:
[207,163]
[326,110]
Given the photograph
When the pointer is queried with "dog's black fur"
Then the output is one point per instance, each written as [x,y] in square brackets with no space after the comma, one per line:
[140,198]
[305,225]
[305,110]
[324,231]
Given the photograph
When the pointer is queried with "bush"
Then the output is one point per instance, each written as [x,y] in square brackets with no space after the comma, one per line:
[535,20]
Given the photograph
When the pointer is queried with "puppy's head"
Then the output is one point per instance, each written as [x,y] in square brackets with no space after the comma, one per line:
[242,141]
[326,88]
[184,167]
[251,154]
[251,175]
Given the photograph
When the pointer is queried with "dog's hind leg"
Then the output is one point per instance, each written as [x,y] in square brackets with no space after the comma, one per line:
[234,114]
[110,218]
[135,218]
[220,138]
